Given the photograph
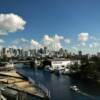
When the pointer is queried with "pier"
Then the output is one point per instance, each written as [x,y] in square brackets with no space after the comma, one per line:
[15,81]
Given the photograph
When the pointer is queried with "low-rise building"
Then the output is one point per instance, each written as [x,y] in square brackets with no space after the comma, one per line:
[61,64]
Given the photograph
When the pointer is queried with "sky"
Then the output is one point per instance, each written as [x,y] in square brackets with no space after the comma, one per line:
[68,24]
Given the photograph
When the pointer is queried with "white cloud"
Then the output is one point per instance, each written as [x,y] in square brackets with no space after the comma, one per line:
[35,44]
[81,44]
[10,23]
[14,46]
[52,43]
[75,48]
[83,37]
[55,46]
[1,41]
[23,40]
[94,45]
[20,41]
[90,45]
[26,44]
[68,41]
[58,37]
[47,40]
[93,38]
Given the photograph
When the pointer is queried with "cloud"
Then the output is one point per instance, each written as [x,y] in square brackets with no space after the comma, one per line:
[52,43]
[35,44]
[1,41]
[23,40]
[83,37]
[22,43]
[26,44]
[75,48]
[68,41]
[58,37]
[19,41]
[47,40]
[14,46]
[94,45]
[93,38]
[81,44]
[10,23]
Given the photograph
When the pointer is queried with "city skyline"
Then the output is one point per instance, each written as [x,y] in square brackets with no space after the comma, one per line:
[73,25]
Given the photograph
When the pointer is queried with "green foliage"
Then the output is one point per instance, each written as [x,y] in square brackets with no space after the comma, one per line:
[90,68]
[74,67]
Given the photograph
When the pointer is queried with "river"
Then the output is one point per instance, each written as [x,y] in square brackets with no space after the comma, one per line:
[59,85]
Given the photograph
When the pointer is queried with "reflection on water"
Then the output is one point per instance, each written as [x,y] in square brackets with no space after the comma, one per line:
[59,85]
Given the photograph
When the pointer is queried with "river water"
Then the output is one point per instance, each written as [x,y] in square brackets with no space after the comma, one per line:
[59,85]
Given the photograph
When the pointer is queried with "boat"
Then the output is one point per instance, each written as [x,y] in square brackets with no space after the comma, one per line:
[51,69]
[57,72]
[75,88]
[47,68]
[6,66]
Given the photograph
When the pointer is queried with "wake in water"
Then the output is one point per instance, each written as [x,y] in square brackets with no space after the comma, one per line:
[77,90]
[88,95]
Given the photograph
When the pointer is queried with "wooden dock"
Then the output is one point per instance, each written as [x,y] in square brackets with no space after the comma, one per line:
[14,81]
[12,73]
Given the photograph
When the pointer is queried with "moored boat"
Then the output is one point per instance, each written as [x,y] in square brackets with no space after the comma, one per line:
[57,72]
[6,66]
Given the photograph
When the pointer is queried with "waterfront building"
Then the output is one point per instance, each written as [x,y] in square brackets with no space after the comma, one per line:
[61,63]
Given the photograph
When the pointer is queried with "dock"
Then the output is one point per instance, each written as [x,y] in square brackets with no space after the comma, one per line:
[14,81]
[11,73]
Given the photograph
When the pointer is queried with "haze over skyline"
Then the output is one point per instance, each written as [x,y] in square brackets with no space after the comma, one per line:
[69,24]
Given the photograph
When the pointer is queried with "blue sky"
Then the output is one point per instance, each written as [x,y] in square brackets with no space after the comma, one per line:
[67,18]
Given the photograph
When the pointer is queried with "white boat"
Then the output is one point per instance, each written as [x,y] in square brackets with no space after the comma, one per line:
[9,65]
[6,66]
[75,88]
